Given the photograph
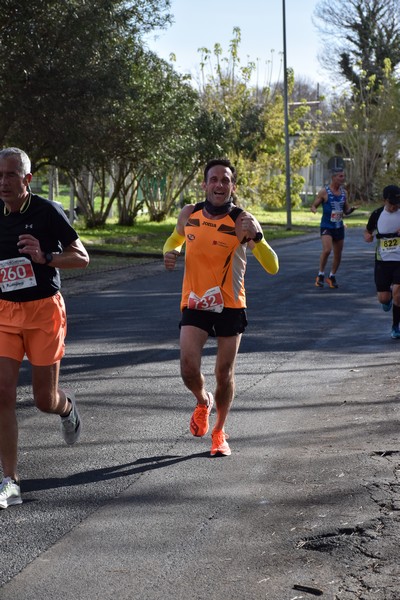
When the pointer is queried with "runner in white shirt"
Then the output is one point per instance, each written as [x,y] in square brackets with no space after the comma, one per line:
[385,221]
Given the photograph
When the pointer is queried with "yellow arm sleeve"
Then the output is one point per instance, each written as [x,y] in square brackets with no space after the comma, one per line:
[266,257]
[174,242]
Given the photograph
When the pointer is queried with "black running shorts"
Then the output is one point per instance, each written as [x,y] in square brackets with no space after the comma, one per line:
[336,234]
[387,273]
[228,323]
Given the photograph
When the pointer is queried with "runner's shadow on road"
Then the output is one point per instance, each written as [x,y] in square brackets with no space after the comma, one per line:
[141,465]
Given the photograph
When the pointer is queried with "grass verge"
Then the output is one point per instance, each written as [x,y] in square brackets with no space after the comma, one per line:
[148,238]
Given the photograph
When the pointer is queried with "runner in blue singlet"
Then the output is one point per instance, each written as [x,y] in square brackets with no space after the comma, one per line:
[334,206]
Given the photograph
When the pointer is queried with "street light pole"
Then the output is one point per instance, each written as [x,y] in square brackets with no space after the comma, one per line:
[286,117]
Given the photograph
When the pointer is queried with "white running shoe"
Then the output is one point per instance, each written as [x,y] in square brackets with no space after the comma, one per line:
[10,493]
[71,425]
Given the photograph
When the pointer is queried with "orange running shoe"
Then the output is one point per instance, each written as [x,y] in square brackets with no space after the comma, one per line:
[199,423]
[219,443]
[331,281]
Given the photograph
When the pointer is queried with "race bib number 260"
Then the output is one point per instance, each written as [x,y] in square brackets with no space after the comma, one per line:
[16,274]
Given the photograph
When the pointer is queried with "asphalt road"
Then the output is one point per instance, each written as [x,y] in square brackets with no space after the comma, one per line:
[307,505]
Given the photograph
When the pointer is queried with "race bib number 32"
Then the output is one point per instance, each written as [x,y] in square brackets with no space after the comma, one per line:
[211,300]
[16,274]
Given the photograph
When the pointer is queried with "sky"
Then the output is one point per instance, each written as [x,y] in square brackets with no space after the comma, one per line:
[203,23]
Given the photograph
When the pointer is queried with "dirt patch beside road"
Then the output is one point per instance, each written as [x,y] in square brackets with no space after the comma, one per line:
[368,550]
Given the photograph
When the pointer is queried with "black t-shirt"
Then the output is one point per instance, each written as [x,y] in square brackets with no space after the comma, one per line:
[47,222]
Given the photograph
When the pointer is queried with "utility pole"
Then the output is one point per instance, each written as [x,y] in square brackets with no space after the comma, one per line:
[286,117]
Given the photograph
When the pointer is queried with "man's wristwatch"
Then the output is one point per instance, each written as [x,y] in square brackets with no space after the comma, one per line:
[258,237]
[48,257]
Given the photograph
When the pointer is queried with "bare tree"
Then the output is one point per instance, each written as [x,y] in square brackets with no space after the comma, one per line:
[357,37]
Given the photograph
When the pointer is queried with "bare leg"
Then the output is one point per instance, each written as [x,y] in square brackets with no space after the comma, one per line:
[48,397]
[326,250]
[396,294]
[192,340]
[384,297]
[9,370]
[225,375]
[337,255]
[396,305]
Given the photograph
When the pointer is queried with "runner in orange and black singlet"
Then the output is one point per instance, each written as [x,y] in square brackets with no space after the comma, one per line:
[213,303]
